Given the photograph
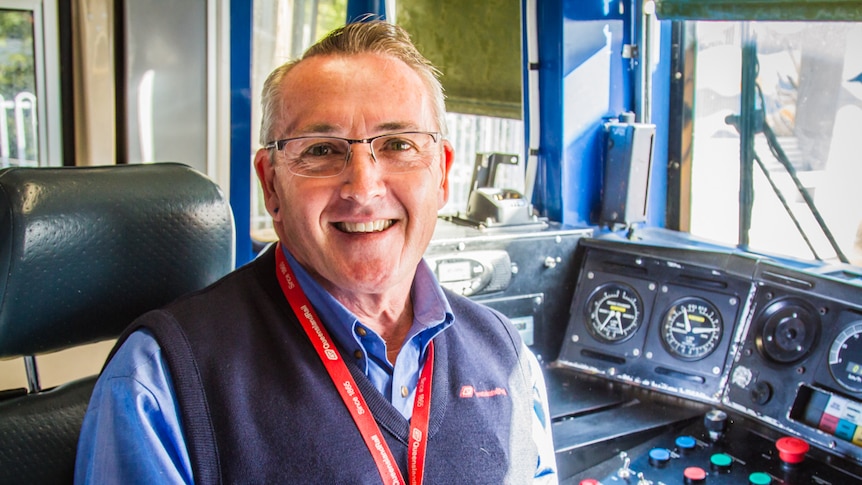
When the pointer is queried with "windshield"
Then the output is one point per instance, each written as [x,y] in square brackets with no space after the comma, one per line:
[792,155]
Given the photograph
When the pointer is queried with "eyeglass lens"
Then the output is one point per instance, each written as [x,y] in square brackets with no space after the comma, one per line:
[327,156]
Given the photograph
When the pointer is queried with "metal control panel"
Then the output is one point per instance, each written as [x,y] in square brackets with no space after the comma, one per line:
[717,449]
[656,320]
[515,270]
[774,344]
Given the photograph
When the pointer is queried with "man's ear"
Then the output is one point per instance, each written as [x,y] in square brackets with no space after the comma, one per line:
[266,175]
[446,165]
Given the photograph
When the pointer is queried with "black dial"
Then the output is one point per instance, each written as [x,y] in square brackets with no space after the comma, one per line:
[691,328]
[614,312]
[788,330]
[845,357]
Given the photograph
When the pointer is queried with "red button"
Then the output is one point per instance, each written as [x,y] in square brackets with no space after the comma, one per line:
[589,481]
[694,475]
[791,450]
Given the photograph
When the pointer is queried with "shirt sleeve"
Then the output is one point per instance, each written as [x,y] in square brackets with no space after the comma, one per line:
[131,432]
[546,468]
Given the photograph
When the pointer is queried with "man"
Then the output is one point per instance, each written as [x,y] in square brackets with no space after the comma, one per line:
[334,357]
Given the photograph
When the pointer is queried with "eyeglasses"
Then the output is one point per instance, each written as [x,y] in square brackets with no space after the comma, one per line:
[327,156]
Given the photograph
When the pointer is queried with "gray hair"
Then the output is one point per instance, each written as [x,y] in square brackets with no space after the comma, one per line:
[376,37]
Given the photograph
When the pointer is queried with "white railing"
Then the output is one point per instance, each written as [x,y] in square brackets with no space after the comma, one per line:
[25,134]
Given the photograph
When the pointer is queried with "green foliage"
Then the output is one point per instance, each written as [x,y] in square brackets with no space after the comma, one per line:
[330,15]
[17,71]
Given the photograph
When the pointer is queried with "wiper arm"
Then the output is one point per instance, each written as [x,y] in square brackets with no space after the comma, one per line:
[776,149]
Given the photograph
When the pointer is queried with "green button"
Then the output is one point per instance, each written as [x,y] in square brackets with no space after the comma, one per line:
[722,460]
[759,478]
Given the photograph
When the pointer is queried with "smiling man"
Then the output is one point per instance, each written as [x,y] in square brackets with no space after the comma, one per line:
[334,357]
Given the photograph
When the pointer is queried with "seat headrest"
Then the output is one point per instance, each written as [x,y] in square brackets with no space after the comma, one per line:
[85,250]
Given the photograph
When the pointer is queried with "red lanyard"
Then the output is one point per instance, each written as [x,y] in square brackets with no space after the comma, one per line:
[349,391]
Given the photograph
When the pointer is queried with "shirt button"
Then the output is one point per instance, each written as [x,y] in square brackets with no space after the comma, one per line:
[360,331]
[404,391]
[357,354]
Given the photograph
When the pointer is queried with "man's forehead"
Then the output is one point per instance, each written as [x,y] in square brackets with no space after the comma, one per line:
[330,94]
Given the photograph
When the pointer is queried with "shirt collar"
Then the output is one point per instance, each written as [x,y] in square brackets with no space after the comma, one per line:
[431,309]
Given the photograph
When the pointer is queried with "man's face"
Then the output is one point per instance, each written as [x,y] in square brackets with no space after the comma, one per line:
[365,230]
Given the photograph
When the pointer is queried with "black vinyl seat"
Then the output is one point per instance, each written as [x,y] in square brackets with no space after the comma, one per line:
[83,251]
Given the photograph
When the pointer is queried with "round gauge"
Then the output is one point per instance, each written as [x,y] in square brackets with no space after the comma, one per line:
[691,328]
[845,357]
[788,331]
[614,312]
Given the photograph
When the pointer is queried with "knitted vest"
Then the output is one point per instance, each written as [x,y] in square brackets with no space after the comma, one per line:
[257,405]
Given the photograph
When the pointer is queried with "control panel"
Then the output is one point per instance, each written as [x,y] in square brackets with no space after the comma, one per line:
[775,347]
[518,272]
[657,321]
[717,449]
[799,365]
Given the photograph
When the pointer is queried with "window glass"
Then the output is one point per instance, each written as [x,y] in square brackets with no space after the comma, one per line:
[809,97]
[19,138]
[472,135]
[283,30]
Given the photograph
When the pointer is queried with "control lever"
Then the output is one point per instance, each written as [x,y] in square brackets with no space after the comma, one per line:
[625,472]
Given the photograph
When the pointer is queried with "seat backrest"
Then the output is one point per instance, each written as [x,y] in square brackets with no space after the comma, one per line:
[83,251]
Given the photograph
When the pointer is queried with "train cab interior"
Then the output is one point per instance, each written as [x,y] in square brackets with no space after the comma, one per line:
[662,195]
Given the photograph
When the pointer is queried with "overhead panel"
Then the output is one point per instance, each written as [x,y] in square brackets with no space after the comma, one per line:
[823,10]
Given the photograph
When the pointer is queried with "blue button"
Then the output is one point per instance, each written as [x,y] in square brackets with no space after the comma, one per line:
[658,457]
[685,443]
[845,430]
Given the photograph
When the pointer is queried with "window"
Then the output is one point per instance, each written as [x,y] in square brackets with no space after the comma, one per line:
[807,93]
[282,31]
[29,84]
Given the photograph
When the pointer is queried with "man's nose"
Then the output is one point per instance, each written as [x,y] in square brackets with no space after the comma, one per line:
[363,175]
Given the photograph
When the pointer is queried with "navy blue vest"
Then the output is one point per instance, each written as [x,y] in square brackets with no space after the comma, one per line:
[257,405]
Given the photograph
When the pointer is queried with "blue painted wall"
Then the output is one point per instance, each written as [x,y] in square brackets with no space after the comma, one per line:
[584,80]
[240,125]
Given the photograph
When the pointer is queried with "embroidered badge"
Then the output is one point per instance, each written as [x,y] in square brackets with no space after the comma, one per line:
[468,391]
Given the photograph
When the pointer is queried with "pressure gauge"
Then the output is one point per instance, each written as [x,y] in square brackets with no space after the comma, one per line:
[614,312]
[845,358]
[691,329]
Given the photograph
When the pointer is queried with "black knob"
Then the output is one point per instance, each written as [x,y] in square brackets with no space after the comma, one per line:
[761,393]
[715,422]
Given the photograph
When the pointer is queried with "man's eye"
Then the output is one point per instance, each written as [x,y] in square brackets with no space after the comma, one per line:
[319,150]
[397,144]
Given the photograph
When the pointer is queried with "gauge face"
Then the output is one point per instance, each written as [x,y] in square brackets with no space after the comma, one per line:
[845,357]
[614,312]
[691,328]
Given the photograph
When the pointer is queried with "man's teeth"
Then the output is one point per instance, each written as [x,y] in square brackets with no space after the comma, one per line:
[374,226]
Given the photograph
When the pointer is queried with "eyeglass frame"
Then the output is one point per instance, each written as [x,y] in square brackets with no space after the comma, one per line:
[278,145]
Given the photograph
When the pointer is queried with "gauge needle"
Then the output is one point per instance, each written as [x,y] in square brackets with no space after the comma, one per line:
[607,319]
[685,319]
[705,330]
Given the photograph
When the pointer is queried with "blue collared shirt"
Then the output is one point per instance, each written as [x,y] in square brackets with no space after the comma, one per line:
[132,431]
